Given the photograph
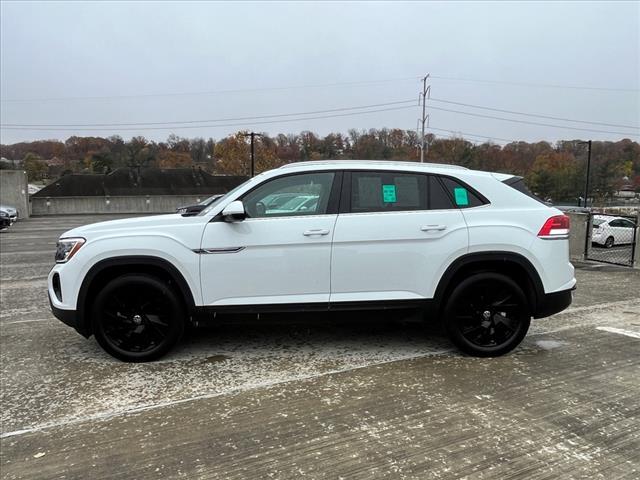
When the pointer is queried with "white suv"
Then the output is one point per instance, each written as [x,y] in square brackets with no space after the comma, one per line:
[473,249]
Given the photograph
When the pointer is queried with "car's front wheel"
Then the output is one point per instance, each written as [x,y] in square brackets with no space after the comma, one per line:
[137,318]
[487,315]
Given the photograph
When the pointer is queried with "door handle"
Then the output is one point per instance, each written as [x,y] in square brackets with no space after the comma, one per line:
[317,231]
[431,228]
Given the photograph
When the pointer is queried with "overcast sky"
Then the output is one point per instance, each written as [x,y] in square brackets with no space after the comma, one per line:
[148,62]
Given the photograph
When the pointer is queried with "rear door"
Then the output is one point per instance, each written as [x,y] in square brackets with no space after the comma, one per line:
[395,235]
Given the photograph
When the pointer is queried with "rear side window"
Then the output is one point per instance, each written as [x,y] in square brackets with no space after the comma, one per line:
[462,196]
[387,192]
[517,183]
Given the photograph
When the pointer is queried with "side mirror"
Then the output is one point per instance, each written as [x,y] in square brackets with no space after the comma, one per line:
[234,212]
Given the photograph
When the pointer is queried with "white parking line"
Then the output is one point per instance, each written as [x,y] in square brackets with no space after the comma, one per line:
[628,333]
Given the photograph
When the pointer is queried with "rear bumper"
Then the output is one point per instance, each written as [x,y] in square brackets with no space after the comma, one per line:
[554,302]
[68,317]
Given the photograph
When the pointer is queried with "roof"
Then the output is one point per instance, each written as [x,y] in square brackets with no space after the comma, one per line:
[374,163]
[146,181]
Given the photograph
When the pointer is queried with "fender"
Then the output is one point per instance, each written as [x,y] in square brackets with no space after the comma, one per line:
[83,325]
[505,258]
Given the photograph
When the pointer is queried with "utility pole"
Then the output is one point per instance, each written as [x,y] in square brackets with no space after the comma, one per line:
[586,183]
[426,93]
[253,163]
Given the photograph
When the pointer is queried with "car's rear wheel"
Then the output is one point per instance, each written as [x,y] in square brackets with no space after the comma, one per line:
[137,318]
[487,315]
[609,242]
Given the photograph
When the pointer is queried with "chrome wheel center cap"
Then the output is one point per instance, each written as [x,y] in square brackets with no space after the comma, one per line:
[137,319]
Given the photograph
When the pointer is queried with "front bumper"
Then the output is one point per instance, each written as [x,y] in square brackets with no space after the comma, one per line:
[68,317]
[554,302]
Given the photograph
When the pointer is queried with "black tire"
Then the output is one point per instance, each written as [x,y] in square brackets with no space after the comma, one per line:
[487,315]
[137,318]
[609,242]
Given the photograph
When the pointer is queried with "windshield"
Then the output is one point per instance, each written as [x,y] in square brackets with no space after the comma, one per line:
[226,195]
[212,198]
[598,221]
[518,184]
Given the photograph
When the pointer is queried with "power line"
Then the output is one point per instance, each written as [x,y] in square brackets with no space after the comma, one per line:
[466,138]
[473,135]
[533,123]
[211,92]
[533,114]
[212,126]
[540,85]
[400,102]
[318,85]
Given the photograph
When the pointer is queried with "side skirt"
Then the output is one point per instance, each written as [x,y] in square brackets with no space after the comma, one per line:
[210,312]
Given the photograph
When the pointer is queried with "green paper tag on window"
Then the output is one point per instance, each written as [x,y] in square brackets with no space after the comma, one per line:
[462,199]
[389,193]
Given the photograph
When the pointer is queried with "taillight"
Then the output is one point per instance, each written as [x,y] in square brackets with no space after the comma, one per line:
[555,227]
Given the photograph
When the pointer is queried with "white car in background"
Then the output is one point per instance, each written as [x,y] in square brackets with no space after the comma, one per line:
[300,203]
[609,231]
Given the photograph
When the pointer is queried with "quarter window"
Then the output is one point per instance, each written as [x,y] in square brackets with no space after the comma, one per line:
[461,195]
[293,195]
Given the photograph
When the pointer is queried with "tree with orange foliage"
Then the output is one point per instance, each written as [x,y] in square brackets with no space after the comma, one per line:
[233,155]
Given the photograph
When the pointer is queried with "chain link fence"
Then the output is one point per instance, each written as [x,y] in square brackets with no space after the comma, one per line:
[612,238]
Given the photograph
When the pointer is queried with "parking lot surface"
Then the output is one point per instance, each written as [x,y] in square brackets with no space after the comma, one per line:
[350,396]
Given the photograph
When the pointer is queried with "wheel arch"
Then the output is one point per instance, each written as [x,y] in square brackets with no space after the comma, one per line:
[106,270]
[512,264]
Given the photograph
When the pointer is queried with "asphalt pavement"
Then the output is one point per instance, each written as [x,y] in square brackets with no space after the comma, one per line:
[342,396]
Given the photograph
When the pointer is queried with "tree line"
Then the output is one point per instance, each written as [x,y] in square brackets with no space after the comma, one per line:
[554,171]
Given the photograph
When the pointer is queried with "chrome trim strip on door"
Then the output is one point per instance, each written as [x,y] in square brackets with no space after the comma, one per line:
[218,250]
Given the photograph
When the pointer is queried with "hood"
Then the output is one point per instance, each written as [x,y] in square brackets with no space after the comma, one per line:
[129,224]
[8,209]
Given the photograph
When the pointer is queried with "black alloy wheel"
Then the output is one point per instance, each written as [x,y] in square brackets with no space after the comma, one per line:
[137,318]
[487,315]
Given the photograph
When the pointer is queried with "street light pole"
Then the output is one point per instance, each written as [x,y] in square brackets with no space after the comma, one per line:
[586,183]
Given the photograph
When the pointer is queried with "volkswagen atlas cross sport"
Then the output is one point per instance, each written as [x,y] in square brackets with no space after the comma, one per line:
[473,249]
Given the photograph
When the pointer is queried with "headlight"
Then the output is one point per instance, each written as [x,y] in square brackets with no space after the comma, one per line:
[67,248]
[4,214]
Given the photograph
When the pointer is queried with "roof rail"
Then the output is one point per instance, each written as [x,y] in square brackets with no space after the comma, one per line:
[374,162]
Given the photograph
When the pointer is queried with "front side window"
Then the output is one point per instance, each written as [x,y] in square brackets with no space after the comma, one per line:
[293,195]
[387,192]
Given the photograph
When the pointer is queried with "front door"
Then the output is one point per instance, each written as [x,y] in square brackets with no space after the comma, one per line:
[279,254]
